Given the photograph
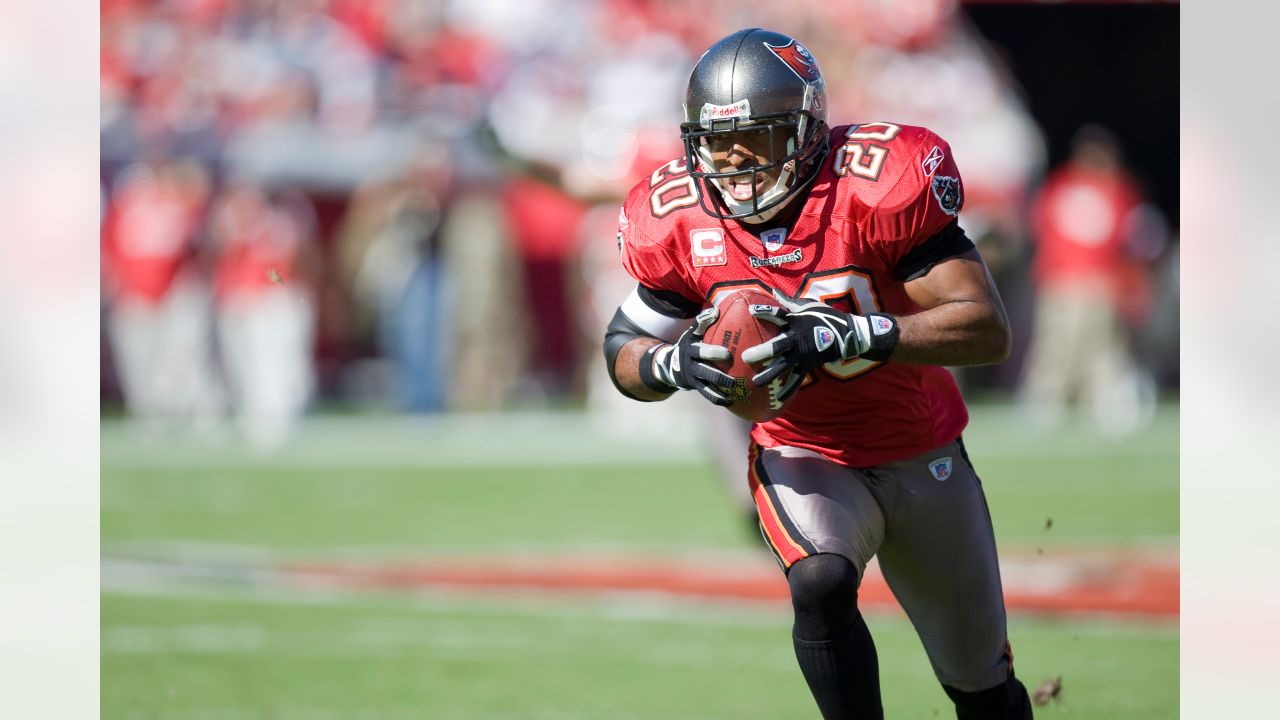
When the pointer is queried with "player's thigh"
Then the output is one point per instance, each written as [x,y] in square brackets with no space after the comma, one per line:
[939,557]
[809,505]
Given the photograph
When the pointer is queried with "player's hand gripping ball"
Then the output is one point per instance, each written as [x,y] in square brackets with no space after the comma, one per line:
[737,329]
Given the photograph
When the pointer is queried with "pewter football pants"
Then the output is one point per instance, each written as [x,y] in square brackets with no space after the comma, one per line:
[926,520]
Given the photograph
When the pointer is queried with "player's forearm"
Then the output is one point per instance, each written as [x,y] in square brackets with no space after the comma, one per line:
[954,333]
[626,369]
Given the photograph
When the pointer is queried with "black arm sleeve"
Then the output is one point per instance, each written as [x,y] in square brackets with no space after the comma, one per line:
[669,303]
[620,332]
[946,243]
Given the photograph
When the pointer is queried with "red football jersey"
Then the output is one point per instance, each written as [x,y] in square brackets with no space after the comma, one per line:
[882,190]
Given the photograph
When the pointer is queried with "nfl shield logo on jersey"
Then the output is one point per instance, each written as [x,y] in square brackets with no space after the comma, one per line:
[774,239]
[940,469]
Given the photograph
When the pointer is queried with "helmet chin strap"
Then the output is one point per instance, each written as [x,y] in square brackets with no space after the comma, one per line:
[767,215]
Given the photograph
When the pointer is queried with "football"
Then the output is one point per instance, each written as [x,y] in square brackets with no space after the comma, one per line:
[737,329]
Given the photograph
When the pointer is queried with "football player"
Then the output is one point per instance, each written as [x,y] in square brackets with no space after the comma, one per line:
[854,230]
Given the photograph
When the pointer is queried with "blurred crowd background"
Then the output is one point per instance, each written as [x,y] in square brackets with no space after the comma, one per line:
[410,205]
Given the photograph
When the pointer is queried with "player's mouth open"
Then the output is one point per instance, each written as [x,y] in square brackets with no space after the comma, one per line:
[743,188]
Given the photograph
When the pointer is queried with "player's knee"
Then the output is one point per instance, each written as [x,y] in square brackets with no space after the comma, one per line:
[1006,701]
[824,593]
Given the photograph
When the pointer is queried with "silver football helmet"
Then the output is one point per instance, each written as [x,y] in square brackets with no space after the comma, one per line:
[764,90]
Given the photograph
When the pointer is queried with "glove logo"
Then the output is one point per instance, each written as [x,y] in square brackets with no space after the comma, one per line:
[823,338]
[881,325]
[940,469]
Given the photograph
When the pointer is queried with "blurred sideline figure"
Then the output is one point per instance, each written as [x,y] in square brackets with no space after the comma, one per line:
[412,247]
[158,305]
[541,218]
[491,344]
[263,288]
[394,254]
[1094,238]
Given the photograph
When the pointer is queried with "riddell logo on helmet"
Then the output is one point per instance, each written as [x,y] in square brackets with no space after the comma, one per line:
[710,111]
[798,59]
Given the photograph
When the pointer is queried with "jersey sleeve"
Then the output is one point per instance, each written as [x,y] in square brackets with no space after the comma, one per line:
[916,222]
[645,251]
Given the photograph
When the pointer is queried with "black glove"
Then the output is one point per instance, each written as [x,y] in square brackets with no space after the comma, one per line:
[816,333]
[666,367]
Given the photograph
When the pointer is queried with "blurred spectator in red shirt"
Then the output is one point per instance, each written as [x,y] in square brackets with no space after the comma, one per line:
[1092,240]
[265,309]
[157,307]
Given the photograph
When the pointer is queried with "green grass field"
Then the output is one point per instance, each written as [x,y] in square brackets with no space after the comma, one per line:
[217,643]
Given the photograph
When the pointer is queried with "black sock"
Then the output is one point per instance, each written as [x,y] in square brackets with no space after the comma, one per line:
[1006,701]
[833,645]
[843,673]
